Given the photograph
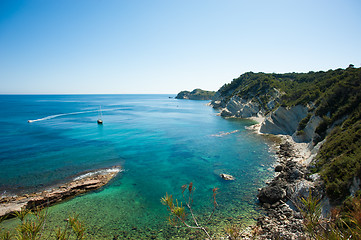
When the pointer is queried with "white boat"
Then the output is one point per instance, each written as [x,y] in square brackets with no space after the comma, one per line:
[100,121]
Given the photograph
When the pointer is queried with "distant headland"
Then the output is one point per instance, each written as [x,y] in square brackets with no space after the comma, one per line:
[196,94]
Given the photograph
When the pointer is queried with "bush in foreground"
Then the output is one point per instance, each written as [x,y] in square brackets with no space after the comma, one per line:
[32,223]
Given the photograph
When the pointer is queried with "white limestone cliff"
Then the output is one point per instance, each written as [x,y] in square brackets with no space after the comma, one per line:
[308,132]
[284,120]
[239,107]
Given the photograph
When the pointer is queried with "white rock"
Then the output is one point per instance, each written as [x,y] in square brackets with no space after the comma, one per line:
[284,120]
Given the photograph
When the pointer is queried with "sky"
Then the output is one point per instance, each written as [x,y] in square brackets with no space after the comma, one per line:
[166,46]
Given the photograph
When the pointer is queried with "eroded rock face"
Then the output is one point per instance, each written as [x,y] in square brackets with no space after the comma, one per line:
[226,113]
[238,107]
[242,108]
[218,104]
[92,181]
[231,104]
[309,131]
[284,120]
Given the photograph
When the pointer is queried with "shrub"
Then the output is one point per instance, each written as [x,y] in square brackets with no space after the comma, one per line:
[31,227]
[304,122]
[342,223]
[177,211]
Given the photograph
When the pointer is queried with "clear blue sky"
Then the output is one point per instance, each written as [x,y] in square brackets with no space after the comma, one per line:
[150,46]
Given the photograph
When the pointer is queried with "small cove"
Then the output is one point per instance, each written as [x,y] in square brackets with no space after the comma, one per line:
[161,144]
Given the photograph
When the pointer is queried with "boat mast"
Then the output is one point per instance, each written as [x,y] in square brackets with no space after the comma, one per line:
[100,121]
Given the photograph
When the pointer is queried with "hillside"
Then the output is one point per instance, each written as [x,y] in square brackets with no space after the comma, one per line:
[322,109]
[196,94]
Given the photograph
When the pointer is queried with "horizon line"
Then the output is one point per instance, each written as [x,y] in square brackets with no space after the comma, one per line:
[88,93]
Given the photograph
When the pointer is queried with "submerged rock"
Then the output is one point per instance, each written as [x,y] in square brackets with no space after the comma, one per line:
[226,176]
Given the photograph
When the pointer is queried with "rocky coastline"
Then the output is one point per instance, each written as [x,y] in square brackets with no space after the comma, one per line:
[79,185]
[295,151]
[314,117]
[280,198]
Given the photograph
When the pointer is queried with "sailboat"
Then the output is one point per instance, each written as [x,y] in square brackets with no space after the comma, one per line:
[100,121]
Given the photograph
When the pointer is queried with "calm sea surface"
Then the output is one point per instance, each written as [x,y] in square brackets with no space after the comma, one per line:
[160,142]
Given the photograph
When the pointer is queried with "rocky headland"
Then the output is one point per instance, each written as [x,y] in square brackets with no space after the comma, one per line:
[79,185]
[292,181]
[196,94]
[306,112]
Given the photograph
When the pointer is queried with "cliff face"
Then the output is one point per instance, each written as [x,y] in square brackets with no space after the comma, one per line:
[280,120]
[196,94]
[232,104]
[309,132]
[284,120]
[277,119]
[238,107]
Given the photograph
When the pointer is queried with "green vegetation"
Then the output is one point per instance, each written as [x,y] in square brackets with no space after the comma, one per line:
[339,159]
[32,223]
[335,96]
[343,223]
[304,122]
[196,94]
[329,90]
[177,212]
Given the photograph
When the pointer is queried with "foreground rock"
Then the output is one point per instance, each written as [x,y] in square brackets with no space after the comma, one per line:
[85,183]
[271,194]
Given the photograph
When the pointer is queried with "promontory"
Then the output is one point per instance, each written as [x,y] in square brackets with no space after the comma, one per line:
[196,94]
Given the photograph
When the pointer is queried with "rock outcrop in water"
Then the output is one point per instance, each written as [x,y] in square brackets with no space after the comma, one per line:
[196,94]
[89,181]
[226,177]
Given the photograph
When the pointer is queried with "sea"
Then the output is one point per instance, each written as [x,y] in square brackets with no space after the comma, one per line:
[160,142]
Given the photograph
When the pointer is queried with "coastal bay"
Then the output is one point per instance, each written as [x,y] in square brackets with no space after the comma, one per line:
[262,141]
[161,144]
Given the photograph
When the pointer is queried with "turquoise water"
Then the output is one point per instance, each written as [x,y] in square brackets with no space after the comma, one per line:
[160,142]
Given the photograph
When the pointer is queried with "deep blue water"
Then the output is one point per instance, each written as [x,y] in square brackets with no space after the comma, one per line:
[160,142]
